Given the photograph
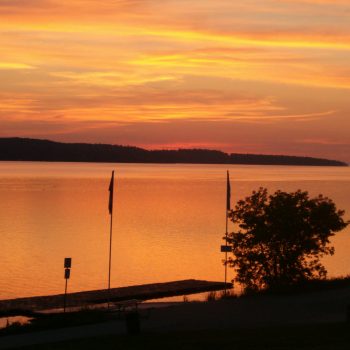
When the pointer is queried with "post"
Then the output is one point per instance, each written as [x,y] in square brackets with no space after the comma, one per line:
[65,296]
[67,266]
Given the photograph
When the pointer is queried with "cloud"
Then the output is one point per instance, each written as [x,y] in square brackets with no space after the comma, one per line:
[14,65]
[325,142]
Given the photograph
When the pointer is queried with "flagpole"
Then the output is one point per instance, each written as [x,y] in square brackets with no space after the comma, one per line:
[226,234]
[228,207]
[110,258]
[110,209]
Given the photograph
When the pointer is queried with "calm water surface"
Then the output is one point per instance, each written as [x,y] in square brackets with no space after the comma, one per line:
[168,224]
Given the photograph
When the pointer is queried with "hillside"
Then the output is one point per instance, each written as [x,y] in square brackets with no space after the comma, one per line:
[24,149]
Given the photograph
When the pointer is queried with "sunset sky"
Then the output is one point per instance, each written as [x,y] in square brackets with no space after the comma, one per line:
[248,76]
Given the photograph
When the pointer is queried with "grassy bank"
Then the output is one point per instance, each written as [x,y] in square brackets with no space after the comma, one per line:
[308,286]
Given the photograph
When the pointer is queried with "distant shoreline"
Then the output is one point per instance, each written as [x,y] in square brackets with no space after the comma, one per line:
[35,150]
[164,163]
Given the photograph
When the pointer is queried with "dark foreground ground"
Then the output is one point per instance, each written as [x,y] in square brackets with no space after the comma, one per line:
[313,320]
[322,336]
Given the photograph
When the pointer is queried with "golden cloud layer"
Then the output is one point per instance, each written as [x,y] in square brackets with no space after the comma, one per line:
[133,61]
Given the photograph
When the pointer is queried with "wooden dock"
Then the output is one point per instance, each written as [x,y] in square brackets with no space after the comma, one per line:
[140,292]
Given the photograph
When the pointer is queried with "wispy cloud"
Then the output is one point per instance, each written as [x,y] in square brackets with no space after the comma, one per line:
[14,65]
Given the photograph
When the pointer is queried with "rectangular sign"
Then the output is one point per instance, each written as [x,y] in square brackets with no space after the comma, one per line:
[226,249]
[67,263]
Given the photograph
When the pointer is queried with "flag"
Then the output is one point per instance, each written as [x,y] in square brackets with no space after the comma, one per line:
[228,193]
[111,188]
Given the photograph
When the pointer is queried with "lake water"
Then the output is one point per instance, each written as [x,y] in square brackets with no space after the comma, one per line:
[169,221]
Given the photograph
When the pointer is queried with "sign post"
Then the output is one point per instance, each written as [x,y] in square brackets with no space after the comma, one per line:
[67,267]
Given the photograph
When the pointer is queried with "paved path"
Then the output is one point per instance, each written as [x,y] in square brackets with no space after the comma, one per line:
[57,335]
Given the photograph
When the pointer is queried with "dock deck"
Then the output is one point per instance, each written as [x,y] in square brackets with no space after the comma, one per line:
[140,292]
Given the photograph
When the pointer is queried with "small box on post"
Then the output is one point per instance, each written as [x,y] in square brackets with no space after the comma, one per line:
[66,274]
[226,249]
[67,263]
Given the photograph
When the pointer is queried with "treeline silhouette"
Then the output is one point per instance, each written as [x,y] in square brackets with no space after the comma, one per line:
[25,149]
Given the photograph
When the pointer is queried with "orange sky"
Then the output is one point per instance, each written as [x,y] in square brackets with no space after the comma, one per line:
[249,76]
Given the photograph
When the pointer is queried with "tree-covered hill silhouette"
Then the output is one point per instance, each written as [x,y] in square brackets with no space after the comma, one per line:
[26,149]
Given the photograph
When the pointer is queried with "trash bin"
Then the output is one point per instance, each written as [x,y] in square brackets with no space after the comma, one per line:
[132,320]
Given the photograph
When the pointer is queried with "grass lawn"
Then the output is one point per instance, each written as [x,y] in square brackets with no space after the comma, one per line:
[324,336]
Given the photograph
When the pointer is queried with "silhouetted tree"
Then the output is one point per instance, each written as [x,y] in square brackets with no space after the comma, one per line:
[281,238]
